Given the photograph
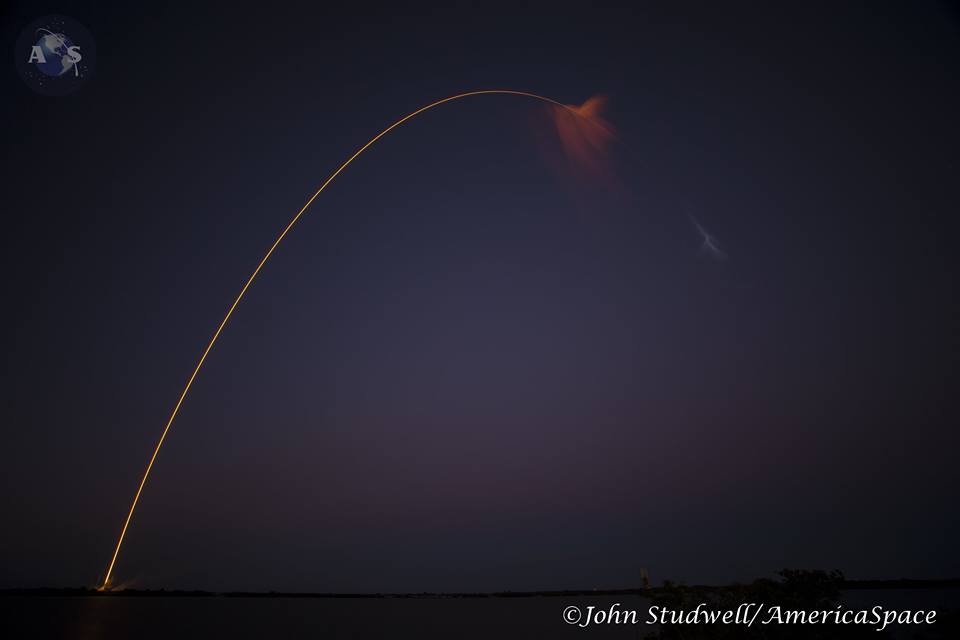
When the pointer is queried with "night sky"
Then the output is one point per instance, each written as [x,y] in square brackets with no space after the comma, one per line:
[471,366]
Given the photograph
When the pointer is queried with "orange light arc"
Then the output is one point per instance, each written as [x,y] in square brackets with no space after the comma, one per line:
[263,261]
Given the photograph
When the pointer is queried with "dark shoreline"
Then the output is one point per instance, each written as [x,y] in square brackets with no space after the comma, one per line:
[846,585]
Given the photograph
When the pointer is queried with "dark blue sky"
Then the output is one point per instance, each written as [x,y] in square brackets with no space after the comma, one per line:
[466,369]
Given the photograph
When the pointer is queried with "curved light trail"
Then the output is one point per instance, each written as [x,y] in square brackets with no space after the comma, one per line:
[263,261]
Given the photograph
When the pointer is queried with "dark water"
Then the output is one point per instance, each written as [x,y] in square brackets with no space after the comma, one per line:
[167,618]
[219,617]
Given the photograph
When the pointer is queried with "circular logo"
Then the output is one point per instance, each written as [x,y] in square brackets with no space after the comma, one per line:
[55,55]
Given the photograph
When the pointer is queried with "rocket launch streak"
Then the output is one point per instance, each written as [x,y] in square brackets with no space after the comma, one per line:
[575,112]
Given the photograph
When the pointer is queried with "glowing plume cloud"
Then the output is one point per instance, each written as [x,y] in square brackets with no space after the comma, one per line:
[584,135]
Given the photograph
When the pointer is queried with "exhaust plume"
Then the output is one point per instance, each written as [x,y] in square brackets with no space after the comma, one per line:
[585,136]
